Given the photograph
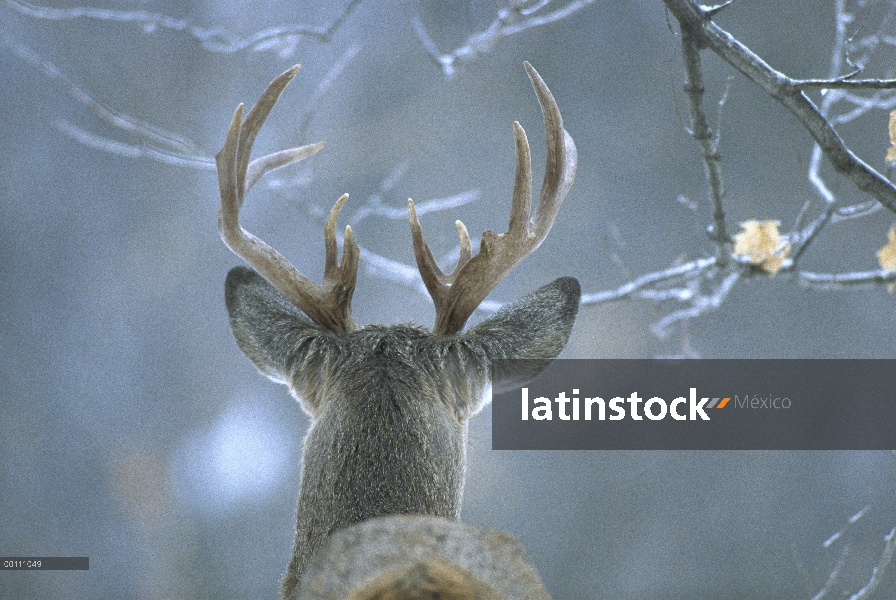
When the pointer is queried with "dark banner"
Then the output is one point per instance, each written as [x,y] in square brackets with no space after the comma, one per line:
[694,405]
[44,563]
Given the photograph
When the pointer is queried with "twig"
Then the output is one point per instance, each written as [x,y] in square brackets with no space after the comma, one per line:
[836,281]
[281,39]
[844,84]
[176,143]
[691,269]
[714,10]
[855,211]
[808,235]
[700,305]
[168,157]
[325,84]
[878,572]
[833,575]
[510,20]
[374,207]
[701,132]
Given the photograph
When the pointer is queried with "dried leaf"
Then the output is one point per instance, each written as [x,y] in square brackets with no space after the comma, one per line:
[757,240]
[892,126]
[763,244]
[773,265]
[886,256]
[891,154]
[891,151]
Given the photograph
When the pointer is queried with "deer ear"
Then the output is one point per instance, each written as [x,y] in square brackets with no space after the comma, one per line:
[536,327]
[268,328]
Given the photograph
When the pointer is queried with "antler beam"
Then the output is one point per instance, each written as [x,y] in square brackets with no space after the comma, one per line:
[456,295]
[329,304]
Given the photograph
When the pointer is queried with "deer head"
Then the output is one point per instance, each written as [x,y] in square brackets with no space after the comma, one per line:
[389,404]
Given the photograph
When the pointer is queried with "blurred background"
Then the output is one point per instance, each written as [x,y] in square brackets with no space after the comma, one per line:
[134,431]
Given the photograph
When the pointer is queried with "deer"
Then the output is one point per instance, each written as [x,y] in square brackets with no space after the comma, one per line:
[389,405]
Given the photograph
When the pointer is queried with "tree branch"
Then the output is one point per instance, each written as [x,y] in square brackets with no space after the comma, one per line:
[845,84]
[708,145]
[696,22]
[280,38]
[510,20]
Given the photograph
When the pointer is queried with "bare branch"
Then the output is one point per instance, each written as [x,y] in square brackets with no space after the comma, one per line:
[834,575]
[375,207]
[805,237]
[845,84]
[325,84]
[714,10]
[156,144]
[688,270]
[700,305]
[167,157]
[855,211]
[701,132]
[878,572]
[281,39]
[815,176]
[159,138]
[510,20]
[694,19]
[837,281]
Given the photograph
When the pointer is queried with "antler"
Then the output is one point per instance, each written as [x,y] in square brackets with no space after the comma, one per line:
[457,294]
[329,304]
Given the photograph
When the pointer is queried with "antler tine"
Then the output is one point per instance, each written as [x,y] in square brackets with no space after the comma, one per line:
[328,305]
[562,158]
[253,122]
[343,275]
[432,275]
[521,205]
[457,295]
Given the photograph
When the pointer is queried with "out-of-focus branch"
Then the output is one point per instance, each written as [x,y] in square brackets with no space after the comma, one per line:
[649,281]
[375,207]
[154,143]
[325,84]
[835,281]
[281,39]
[510,20]
[701,304]
[122,122]
[877,572]
[168,157]
[834,575]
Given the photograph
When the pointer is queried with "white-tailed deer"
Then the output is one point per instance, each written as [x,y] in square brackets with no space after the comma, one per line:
[389,404]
